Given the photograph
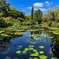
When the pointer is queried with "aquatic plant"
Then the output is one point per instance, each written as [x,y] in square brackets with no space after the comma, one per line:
[34,50]
[43,57]
[18,52]
[19,47]
[35,58]
[5,52]
[53,58]
[34,54]
[31,48]
[24,52]
[7,57]
[26,49]
[41,47]
[32,41]
[41,52]
[31,45]
[4,34]
[30,58]
[15,58]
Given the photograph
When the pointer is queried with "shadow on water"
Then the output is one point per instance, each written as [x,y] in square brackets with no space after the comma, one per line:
[8,47]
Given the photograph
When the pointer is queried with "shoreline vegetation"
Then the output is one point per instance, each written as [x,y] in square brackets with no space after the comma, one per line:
[14,22]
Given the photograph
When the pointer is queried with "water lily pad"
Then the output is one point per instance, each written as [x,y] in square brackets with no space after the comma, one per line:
[7,57]
[34,54]
[41,47]
[43,57]
[31,48]
[53,58]
[41,52]
[35,58]
[24,52]
[26,49]
[34,50]
[18,52]
[30,58]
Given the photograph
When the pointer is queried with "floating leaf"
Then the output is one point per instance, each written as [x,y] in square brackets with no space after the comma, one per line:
[18,52]
[24,52]
[34,54]
[41,52]
[34,50]
[26,49]
[41,47]
[35,58]
[53,58]
[31,48]
[43,57]
[30,58]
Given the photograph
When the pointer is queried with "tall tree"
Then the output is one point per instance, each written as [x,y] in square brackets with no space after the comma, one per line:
[32,12]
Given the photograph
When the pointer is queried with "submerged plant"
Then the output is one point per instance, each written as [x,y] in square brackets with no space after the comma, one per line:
[15,58]
[41,47]
[30,58]
[7,57]
[18,52]
[43,57]
[31,45]
[19,47]
[41,52]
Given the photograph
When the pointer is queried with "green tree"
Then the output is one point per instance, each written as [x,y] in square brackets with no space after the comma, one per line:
[38,16]
[32,12]
[4,7]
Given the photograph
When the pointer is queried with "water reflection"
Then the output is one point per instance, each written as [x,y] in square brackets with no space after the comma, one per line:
[37,38]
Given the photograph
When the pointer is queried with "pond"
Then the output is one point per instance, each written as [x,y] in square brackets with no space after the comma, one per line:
[31,45]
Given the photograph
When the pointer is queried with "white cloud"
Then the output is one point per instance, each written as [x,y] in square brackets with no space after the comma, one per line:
[42,9]
[38,4]
[36,8]
[48,3]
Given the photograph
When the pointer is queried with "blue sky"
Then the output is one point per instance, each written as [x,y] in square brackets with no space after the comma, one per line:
[25,5]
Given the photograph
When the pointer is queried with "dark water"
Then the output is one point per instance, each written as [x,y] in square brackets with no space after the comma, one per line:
[10,47]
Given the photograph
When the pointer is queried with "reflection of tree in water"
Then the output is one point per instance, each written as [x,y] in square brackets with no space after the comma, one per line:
[4,45]
[55,45]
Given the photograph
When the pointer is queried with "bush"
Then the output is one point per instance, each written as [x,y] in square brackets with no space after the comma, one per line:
[2,23]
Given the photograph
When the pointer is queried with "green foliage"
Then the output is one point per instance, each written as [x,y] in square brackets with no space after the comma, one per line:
[2,23]
[57,18]
[38,16]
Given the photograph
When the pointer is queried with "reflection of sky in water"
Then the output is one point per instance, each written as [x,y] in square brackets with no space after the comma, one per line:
[25,41]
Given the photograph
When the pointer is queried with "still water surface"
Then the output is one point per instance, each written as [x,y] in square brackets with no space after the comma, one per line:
[8,49]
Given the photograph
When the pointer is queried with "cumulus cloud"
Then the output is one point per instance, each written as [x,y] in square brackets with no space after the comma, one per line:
[38,4]
[48,3]
[36,8]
